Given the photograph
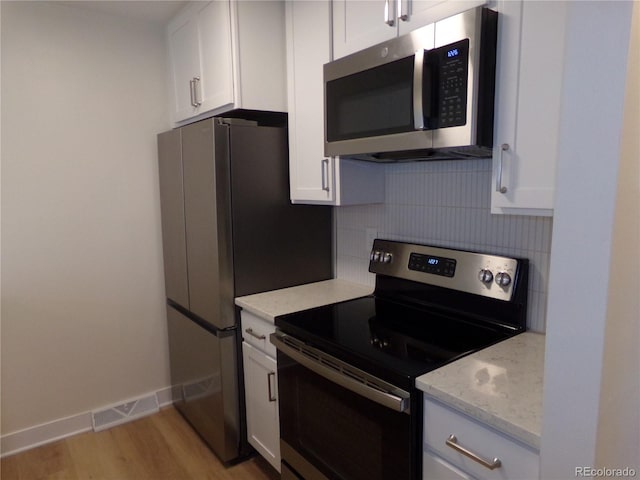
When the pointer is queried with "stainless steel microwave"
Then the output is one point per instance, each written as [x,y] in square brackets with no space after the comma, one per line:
[425,95]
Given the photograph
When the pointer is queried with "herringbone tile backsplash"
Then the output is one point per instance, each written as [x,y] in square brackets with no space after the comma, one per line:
[445,203]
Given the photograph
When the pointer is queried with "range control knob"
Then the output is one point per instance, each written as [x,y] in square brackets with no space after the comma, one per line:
[387,257]
[503,279]
[485,276]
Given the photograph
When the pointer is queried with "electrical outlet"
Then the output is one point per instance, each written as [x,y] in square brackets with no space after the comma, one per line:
[371,235]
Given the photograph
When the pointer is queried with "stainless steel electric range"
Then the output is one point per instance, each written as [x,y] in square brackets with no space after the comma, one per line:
[349,408]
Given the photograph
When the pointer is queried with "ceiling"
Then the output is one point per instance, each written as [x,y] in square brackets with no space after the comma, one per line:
[153,11]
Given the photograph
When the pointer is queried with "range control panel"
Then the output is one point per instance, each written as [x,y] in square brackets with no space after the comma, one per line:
[482,274]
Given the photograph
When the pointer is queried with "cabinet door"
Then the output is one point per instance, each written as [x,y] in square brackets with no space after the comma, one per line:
[201,222]
[185,66]
[436,468]
[174,247]
[263,428]
[308,49]
[483,443]
[528,90]
[361,24]
[215,88]
[414,14]
[314,178]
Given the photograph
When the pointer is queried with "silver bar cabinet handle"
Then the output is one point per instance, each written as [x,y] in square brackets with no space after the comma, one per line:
[325,174]
[452,442]
[403,10]
[271,375]
[196,87]
[192,83]
[388,12]
[418,69]
[499,187]
[254,334]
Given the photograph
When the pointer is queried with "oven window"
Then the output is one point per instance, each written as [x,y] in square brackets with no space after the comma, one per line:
[340,433]
[374,102]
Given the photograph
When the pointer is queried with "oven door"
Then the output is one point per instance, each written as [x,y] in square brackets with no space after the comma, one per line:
[337,422]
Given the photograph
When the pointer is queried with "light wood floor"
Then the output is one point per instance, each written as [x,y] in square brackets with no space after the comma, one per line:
[157,447]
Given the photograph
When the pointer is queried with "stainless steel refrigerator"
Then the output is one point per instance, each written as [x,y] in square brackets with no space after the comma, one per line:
[228,230]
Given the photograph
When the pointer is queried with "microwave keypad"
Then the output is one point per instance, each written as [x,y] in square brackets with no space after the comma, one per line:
[454,61]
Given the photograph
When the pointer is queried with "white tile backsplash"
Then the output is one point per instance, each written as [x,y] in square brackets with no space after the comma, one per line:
[445,203]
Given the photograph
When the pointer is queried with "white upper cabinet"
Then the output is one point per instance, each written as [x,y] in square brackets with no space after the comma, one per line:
[528,97]
[315,178]
[358,24]
[226,55]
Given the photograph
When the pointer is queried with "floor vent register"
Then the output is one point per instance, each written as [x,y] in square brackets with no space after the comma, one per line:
[124,412]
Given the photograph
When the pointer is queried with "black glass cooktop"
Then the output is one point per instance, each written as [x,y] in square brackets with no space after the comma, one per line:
[394,341]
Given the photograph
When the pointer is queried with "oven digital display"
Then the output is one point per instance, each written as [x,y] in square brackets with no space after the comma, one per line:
[445,267]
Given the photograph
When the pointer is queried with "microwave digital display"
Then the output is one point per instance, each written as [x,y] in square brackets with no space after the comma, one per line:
[451,64]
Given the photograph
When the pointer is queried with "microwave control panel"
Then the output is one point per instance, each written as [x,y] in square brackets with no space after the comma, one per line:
[452,72]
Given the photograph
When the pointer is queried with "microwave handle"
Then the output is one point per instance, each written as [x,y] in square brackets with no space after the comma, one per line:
[418,72]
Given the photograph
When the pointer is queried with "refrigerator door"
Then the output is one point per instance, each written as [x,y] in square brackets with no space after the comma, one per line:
[205,220]
[275,244]
[205,381]
[174,247]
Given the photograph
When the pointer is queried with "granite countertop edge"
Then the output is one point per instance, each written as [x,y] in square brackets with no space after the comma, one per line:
[268,305]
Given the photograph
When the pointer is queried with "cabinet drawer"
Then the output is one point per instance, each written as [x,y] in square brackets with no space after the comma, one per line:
[435,468]
[256,331]
[517,460]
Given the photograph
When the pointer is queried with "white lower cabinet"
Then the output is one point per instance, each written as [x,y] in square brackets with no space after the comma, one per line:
[435,468]
[261,388]
[443,456]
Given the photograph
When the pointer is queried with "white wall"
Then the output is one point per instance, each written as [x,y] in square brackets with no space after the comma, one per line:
[597,42]
[618,442]
[83,320]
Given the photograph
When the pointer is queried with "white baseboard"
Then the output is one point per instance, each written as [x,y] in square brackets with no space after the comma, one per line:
[38,435]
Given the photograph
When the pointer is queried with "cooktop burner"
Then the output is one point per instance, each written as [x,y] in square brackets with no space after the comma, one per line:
[430,307]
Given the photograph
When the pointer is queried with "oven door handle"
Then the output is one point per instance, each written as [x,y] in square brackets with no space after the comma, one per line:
[334,370]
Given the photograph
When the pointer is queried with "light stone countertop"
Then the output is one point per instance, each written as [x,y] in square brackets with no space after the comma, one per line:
[500,386]
[269,305]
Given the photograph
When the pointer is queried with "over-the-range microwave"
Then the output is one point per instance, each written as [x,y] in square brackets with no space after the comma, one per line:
[426,95]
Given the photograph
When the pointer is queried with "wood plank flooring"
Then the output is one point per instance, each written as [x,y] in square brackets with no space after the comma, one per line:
[158,447]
